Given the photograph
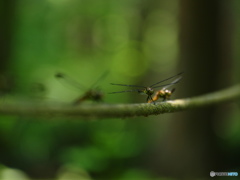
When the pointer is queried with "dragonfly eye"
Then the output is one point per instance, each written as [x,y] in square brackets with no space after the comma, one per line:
[167,91]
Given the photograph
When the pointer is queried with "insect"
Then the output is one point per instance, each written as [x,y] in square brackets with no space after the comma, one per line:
[149,90]
[93,93]
[164,92]
[38,90]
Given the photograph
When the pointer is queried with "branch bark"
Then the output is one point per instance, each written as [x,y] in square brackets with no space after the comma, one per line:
[117,110]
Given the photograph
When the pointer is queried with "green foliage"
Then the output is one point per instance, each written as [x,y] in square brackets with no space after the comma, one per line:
[132,39]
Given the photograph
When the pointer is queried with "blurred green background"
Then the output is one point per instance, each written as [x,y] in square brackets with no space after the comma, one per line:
[137,42]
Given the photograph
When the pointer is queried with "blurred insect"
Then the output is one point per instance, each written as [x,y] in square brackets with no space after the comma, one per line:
[149,90]
[38,90]
[164,93]
[93,93]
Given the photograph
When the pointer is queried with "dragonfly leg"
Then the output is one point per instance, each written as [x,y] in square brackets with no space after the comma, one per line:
[152,100]
[150,97]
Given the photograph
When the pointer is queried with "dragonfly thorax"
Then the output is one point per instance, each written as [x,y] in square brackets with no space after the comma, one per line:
[94,95]
[165,94]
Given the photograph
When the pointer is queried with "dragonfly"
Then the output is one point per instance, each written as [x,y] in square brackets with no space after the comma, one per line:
[93,93]
[164,93]
[149,90]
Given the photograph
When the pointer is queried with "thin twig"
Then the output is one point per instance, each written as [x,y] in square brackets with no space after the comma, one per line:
[117,110]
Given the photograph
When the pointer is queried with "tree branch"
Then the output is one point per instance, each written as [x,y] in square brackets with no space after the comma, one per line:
[117,110]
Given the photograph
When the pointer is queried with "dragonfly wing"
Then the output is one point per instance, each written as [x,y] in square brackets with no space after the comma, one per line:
[132,90]
[127,85]
[166,85]
[103,76]
[63,78]
[172,83]
[153,85]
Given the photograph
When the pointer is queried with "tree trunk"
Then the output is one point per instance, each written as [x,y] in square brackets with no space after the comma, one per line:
[7,13]
[190,146]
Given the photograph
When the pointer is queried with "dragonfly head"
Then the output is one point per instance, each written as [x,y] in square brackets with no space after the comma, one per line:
[149,91]
[167,92]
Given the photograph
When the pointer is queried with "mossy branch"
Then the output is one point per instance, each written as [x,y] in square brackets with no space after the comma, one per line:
[117,110]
